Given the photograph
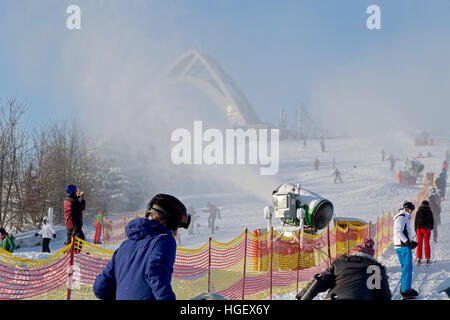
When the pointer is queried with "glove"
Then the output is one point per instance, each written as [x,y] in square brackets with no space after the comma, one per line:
[412,245]
[36,234]
[54,235]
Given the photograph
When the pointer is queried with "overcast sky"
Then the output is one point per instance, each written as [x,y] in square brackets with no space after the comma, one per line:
[316,53]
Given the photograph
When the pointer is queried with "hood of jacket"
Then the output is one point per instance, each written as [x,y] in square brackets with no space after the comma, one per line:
[403,211]
[359,259]
[141,227]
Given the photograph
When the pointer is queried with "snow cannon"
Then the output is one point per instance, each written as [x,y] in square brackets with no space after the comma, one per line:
[414,167]
[300,208]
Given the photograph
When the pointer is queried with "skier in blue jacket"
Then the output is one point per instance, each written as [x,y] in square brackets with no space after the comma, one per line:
[141,268]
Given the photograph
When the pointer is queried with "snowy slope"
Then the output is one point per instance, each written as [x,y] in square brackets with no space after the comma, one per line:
[369,188]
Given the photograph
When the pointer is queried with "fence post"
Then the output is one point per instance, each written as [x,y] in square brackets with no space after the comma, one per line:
[376,241]
[382,232]
[245,265]
[271,260]
[299,253]
[209,266]
[348,237]
[70,269]
[329,246]
[388,229]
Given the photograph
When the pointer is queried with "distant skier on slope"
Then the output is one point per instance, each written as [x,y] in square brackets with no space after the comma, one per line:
[423,224]
[337,175]
[191,210]
[322,144]
[214,213]
[47,233]
[403,244]
[316,164]
[348,276]
[441,184]
[392,161]
[435,206]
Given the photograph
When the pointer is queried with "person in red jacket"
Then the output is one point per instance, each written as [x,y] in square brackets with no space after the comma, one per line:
[316,164]
[423,224]
[98,227]
[73,209]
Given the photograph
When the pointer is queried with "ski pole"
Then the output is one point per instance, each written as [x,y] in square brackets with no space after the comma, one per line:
[307,296]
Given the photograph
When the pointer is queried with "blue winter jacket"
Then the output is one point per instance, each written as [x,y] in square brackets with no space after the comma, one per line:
[141,268]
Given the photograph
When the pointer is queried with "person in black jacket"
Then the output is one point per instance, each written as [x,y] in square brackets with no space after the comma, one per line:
[357,276]
[423,224]
[441,184]
[435,206]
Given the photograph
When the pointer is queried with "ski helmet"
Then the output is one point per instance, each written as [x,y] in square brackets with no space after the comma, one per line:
[170,210]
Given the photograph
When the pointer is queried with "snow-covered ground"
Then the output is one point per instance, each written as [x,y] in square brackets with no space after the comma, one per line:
[369,188]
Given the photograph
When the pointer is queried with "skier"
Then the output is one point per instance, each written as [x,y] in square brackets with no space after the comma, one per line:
[337,175]
[444,165]
[383,154]
[403,244]
[322,144]
[141,268]
[348,276]
[392,161]
[423,224]
[98,223]
[7,241]
[191,210]
[435,206]
[73,208]
[316,164]
[47,233]
[213,213]
[444,174]
[441,184]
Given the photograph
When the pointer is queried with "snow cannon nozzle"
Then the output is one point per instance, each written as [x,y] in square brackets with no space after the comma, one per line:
[301,208]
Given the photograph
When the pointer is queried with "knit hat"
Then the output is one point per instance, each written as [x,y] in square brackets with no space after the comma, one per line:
[2,231]
[365,248]
[71,188]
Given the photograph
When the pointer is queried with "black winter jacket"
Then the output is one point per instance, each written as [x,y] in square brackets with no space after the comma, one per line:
[435,207]
[424,218]
[346,279]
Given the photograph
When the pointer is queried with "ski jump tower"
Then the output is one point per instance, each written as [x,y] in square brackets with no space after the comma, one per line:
[203,72]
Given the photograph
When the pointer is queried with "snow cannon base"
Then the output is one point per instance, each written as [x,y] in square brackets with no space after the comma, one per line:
[403,177]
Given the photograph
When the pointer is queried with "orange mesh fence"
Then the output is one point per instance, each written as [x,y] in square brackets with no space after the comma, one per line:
[252,266]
